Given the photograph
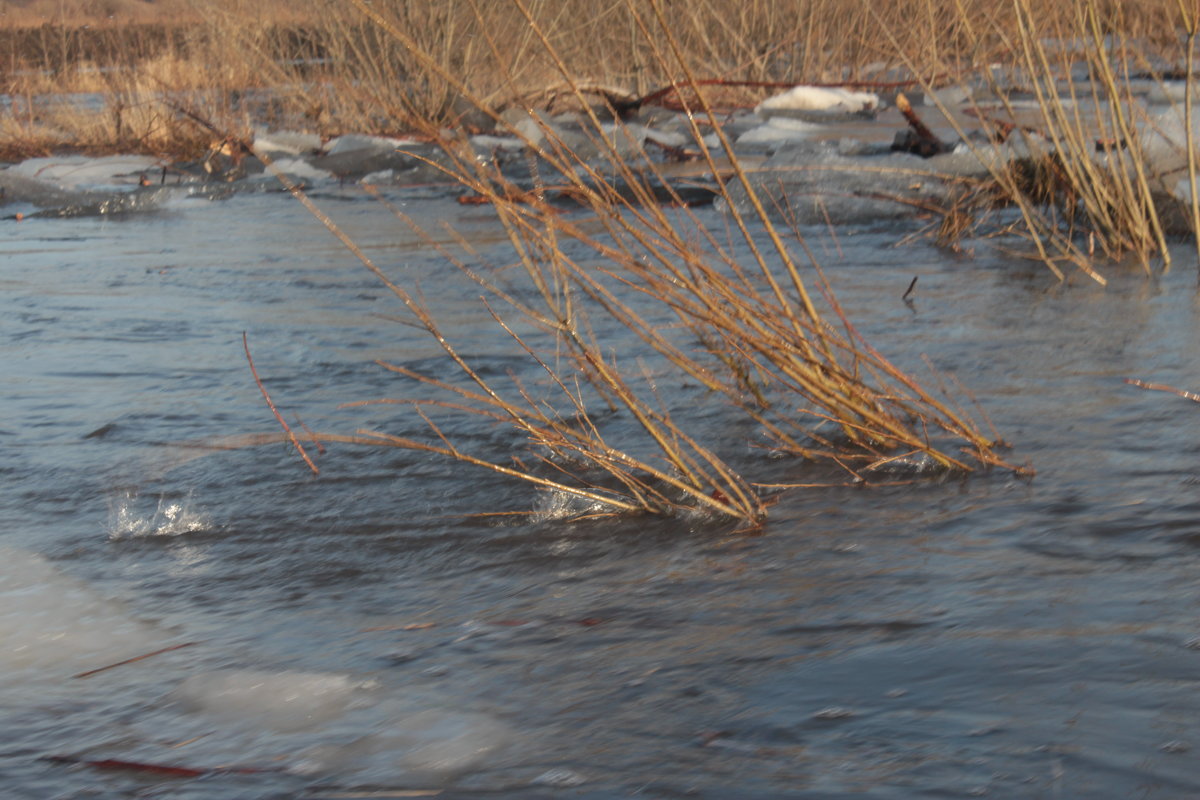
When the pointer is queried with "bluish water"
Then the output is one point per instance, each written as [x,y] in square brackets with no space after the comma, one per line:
[363,631]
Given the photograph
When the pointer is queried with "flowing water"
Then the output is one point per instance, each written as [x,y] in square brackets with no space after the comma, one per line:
[361,633]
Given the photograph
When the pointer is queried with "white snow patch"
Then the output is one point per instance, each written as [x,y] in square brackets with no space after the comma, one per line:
[818,98]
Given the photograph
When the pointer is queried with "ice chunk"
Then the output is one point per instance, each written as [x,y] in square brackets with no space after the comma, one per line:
[55,625]
[429,744]
[1163,138]
[300,170]
[360,144]
[286,143]
[281,701]
[778,129]
[487,142]
[84,172]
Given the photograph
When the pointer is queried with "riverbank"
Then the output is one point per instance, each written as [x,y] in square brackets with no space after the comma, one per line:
[336,69]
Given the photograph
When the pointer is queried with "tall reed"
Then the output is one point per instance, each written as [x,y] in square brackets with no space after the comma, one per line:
[1098,184]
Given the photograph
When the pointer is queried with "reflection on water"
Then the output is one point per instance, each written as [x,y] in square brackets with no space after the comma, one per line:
[365,631]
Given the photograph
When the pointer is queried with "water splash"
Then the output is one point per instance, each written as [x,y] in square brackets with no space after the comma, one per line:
[171,517]
[556,505]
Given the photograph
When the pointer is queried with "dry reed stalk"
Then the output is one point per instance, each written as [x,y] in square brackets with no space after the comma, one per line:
[1066,193]
[765,339]
[1190,19]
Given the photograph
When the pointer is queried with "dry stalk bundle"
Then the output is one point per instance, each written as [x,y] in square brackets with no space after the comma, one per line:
[745,325]
[1090,188]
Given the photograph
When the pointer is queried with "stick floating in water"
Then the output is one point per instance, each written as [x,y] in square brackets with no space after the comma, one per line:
[92,672]
[1162,387]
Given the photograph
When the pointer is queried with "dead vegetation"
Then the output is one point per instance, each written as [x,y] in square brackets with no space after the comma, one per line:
[753,320]
[330,71]
[749,317]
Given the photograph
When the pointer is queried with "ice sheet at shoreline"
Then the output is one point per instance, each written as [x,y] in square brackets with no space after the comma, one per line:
[53,626]
[824,156]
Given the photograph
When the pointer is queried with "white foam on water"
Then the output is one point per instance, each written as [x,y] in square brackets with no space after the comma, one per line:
[555,504]
[53,626]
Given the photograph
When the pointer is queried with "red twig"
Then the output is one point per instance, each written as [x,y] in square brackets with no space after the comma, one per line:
[157,769]
[92,672]
[311,435]
[291,436]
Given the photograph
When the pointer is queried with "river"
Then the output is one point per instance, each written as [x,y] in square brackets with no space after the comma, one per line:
[367,633]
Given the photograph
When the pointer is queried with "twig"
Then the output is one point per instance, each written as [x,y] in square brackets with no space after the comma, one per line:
[1162,387]
[158,769]
[311,436]
[909,290]
[291,436]
[92,672]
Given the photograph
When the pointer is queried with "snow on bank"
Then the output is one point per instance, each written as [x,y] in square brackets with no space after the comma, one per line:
[818,98]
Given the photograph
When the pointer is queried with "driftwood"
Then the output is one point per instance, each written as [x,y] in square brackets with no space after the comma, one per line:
[917,139]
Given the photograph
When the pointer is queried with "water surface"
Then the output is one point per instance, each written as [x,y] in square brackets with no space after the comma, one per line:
[361,631]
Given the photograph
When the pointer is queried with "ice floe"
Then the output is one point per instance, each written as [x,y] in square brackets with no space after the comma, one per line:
[53,626]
